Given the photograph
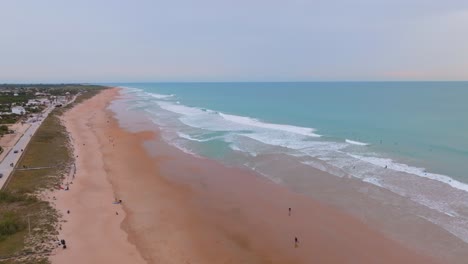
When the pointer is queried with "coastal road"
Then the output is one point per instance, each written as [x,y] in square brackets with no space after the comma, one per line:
[5,168]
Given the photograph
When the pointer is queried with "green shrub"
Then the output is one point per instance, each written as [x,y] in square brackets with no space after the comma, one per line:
[9,225]
[9,197]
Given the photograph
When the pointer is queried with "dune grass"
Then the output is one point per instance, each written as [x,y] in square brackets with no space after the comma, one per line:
[19,200]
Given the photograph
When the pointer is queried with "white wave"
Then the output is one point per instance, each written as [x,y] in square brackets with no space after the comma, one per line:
[136,106]
[181,109]
[132,89]
[275,134]
[373,181]
[180,145]
[323,166]
[161,96]
[256,123]
[291,137]
[236,148]
[353,142]
[188,137]
[276,180]
[296,142]
[457,230]
[297,139]
[382,162]
[439,206]
[143,94]
[185,150]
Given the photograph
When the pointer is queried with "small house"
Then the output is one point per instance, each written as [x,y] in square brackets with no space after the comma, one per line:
[18,110]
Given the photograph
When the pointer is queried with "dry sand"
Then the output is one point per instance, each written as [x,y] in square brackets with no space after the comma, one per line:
[92,230]
[181,209]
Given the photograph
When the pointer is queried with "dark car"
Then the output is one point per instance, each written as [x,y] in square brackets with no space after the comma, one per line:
[16,151]
[1,175]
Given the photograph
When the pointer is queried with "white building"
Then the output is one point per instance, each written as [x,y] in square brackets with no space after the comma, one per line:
[43,101]
[61,99]
[33,102]
[38,101]
[19,110]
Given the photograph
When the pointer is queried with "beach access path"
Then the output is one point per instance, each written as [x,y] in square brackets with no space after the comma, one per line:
[11,157]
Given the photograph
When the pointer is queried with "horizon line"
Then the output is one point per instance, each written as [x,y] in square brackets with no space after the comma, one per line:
[254,81]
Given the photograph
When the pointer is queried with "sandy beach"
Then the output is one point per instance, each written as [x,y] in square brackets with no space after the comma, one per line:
[177,208]
[92,229]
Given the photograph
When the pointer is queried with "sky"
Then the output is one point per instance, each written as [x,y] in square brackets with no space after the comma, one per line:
[239,40]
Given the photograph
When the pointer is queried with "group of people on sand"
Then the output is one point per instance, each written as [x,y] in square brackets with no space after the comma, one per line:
[63,243]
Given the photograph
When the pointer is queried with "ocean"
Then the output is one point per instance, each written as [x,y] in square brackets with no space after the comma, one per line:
[410,138]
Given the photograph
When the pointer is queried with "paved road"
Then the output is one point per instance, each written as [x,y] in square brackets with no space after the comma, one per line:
[5,168]
[13,157]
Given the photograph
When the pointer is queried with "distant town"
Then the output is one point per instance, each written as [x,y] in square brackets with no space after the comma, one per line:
[21,105]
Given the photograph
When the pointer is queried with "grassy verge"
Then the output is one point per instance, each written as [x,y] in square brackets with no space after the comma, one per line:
[20,200]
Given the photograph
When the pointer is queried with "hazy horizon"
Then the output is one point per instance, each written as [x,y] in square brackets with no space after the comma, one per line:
[228,81]
[243,41]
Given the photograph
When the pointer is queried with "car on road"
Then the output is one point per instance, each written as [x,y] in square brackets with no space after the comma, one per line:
[1,175]
[16,151]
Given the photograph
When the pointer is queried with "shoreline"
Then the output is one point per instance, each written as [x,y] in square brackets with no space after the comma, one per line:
[179,208]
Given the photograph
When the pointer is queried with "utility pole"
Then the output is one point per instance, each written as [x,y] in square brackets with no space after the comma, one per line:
[29,225]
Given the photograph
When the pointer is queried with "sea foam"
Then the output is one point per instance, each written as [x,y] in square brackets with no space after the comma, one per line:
[221,121]
[392,165]
[256,123]
[353,142]
[292,137]
[161,96]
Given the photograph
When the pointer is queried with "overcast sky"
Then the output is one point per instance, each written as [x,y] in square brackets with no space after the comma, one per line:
[239,40]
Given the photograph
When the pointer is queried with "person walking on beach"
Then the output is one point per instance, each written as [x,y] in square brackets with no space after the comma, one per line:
[289,211]
[296,242]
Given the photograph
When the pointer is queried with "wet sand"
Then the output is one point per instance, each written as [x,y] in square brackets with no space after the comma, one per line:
[181,209]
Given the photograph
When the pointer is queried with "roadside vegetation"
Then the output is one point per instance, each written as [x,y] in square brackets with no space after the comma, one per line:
[10,119]
[28,223]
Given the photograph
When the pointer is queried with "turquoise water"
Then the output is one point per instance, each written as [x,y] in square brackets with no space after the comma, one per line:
[409,138]
[423,123]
